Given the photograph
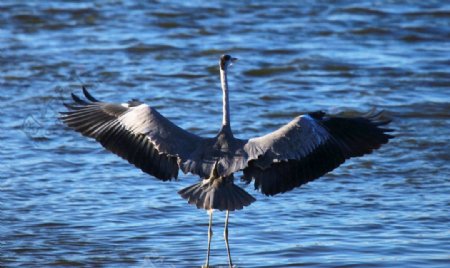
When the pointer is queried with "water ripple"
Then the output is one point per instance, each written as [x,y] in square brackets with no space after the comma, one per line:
[65,202]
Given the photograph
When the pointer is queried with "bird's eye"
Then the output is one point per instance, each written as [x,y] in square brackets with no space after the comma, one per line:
[227,57]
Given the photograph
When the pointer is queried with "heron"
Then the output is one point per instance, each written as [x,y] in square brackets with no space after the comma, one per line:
[300,151]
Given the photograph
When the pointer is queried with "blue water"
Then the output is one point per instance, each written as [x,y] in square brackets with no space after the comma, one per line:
[66,202]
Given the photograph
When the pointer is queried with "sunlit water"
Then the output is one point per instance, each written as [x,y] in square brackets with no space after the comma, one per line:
[66,202]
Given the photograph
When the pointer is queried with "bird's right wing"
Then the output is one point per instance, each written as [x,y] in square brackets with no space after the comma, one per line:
[134,131]
[308,147]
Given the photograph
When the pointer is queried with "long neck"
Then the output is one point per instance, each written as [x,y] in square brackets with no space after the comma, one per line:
[226,104]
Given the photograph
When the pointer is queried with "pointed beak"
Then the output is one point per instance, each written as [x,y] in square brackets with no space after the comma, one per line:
[233,60]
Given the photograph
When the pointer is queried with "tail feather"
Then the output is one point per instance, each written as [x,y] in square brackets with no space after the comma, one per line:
[221,196]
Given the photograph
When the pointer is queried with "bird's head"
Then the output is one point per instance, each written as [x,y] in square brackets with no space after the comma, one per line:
[225,61]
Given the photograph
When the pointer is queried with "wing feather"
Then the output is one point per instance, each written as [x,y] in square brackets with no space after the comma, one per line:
[308,147]
[135,132]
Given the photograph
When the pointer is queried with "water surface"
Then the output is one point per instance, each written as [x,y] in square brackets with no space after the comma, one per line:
[66,202]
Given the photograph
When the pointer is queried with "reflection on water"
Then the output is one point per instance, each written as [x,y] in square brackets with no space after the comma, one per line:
[65,202]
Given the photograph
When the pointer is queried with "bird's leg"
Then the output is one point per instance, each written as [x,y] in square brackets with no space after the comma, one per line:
[210,233]
[225,236]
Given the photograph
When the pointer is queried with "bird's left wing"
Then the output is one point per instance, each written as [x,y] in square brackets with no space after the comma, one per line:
[308,147]
[134,131]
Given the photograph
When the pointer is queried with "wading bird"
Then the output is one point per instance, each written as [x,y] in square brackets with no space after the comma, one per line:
[302,150]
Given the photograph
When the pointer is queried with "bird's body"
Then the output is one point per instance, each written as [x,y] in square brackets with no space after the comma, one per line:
[302,150]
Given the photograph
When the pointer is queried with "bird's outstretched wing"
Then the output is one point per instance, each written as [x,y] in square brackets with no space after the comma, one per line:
[134,131]
[308,147]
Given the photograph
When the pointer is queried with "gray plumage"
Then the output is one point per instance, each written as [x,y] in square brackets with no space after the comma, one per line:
[303,150]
